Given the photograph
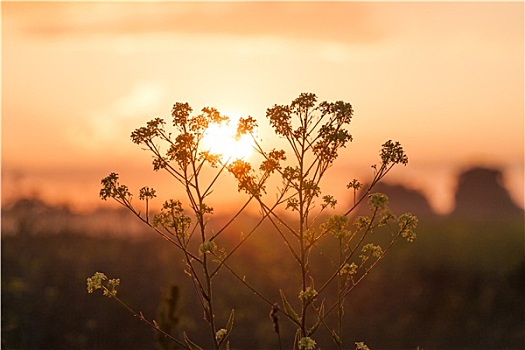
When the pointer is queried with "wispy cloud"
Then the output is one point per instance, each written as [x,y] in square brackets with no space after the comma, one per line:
[347,21]
[98,131]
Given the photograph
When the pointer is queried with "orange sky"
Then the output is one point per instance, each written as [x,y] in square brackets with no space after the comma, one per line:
[445,79]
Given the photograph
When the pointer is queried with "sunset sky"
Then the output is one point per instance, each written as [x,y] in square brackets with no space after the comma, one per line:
[444,79]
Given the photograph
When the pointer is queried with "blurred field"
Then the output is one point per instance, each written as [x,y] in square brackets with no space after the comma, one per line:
[460,285]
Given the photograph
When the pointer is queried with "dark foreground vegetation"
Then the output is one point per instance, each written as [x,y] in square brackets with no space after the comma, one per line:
[461,285]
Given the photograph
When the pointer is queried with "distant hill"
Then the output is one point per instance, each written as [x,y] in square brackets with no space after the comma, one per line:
[480,194]
[401,199]
[32,216]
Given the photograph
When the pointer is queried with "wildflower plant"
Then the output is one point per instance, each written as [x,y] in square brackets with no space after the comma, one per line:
[314,133]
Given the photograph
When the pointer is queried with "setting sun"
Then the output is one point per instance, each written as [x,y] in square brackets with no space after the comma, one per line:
[220,139]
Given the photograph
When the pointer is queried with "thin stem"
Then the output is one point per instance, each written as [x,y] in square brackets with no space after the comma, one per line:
[232,219]
[246,284]
[143,319]
[223,260]
[303,212]
[377,177]
[340,300]
[347,259]
[278,229]
[207,192]
[166,237]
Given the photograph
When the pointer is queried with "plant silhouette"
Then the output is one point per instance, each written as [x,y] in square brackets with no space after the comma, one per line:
[306,220]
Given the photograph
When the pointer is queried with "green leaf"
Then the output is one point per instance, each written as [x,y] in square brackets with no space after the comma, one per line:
[289,310]
[229,325]
[191,344]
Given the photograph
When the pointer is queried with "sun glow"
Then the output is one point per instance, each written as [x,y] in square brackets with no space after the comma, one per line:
[220,139]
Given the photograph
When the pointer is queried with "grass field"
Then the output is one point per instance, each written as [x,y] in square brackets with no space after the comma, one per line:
[460,285]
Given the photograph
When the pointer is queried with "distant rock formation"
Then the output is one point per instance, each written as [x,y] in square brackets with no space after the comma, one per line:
[402,199]
[480,195]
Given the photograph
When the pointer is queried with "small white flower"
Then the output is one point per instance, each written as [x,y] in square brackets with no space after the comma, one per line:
[95,282]
[361,346]
[350,269]
[221,333]
[208,247]
[307,343]
[308,295]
